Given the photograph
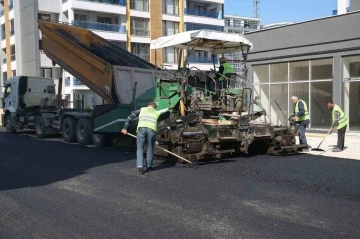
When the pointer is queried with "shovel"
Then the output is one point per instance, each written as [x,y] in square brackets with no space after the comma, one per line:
[317,149]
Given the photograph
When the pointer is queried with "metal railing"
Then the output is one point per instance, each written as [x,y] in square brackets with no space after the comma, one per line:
[99,26]
[140,5]
[194,12]
[113,2]
[197,26]
[172,10]
[140,32]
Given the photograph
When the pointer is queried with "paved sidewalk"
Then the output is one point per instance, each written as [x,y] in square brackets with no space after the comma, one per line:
[351,151]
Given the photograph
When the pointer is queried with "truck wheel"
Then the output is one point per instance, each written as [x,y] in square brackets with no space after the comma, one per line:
[68,129]
[99,140]
[40,127]
[9,125]
[84,132]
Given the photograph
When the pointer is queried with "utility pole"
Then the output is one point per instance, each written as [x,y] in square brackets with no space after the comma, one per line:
[256,8]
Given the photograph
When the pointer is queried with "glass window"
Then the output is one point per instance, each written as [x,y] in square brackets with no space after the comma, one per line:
[322,69]
[301,90]
[261,74]
[279,72]
[352,104]
[80,17]
[106,20]
[279,104]
[351,67]
[263,92]
[299,71]
[320,115]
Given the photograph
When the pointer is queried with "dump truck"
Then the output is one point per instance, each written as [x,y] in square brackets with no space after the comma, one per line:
[196,121]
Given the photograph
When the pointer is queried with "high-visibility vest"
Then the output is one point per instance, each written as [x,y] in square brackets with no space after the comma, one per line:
[148,118]
[227,69]
[343,120]
[306,115]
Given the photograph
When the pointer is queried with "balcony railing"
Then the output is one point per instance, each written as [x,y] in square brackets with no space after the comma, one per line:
[197,59]
[194,12]
[172,10]
[140,32]
[13,57]
[196,26]
[113,2]
[99,26]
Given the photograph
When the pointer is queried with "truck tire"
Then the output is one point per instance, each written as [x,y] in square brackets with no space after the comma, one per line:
[99,140]
[84,132]
[68,129]
[40,127]
[9,125]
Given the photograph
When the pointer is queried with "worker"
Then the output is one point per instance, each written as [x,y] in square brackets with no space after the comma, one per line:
[340,121]
[224,69]
[301,116]
[146,133]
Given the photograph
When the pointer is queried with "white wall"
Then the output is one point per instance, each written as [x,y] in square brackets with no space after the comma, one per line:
[50,5]
[27,40]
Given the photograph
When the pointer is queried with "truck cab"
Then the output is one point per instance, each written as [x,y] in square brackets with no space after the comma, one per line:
[24,96]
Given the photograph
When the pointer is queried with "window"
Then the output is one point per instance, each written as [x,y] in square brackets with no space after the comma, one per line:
[106,20]
[352,104]
[351,67]
[141,5]
[170,28]
[141,50]
[322,69]
[14,73]
[139,26]
[279,72]
[261,74]
[7,90]
[279,104]
[320,116]
[46,72]
[299,71]
[80,17]
[44,16]
[171,7]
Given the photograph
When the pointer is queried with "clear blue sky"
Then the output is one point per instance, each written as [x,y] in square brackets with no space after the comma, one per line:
[282,10]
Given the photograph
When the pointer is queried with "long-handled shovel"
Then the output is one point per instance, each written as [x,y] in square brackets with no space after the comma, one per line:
[167,151]
[317,149]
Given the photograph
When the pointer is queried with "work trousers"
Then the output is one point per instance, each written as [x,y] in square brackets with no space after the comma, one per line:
[341,138]
[148,136]
[302,128]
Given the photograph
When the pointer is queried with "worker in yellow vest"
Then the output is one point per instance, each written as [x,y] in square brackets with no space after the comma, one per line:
[301,116]
[224,69]
[146,133]
[340,121]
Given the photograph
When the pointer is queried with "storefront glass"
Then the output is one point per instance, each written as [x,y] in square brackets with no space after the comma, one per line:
[279,72]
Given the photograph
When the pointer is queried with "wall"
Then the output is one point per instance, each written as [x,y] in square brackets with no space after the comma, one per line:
[27,38]
[355,5]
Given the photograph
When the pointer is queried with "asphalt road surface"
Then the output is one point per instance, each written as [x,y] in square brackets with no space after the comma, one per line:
[57,190]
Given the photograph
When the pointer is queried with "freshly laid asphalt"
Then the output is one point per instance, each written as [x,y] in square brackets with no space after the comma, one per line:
[57,190]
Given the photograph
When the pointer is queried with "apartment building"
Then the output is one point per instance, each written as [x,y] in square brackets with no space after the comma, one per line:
[239,25]
[131,24]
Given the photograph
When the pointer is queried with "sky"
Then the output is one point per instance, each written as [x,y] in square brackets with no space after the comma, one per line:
[272,11]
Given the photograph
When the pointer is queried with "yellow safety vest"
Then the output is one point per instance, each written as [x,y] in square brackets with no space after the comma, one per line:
[343,120]
[148,118]
[306,115]
[227,69]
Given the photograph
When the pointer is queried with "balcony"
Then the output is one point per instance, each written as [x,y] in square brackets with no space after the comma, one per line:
[242,28]
[113,2]
[196,26]
[99,26]
[211,14]
[139,32]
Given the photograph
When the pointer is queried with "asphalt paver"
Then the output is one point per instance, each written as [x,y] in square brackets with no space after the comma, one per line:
[55,190]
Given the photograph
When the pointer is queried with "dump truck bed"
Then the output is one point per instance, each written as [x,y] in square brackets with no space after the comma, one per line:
[92,59]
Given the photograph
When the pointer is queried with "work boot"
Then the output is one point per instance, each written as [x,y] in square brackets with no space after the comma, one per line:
[141,172]
[149,169]
[337,150]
